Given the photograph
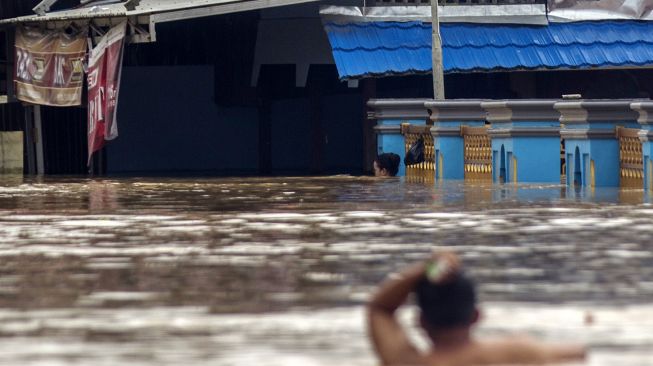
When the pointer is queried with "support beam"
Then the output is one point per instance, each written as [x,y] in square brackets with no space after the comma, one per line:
[43,7]
[438,70]
[29,140]
[221,9]
[38,140]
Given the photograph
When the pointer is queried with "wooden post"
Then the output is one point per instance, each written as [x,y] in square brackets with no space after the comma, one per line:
[30,144]
[38,140]
[438,73]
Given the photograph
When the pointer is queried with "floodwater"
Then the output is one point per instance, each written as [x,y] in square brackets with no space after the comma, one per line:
[274,271]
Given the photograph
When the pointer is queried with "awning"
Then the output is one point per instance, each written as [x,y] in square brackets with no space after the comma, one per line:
[372,49]
[158,10]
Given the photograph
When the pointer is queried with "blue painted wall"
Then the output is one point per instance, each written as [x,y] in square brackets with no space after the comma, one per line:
[452,149]
[501,162]
[394,143]
[647,150]
[538,159]
[604,153]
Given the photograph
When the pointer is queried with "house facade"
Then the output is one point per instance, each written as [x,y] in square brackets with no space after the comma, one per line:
[243,89]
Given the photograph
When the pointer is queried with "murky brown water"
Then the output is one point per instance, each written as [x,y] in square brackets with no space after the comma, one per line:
[256,271]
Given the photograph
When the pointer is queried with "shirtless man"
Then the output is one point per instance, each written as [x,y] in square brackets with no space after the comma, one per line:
[386,165]
[447,301]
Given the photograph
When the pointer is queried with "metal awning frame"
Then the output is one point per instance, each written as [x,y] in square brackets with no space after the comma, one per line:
[143,20]
[139,29]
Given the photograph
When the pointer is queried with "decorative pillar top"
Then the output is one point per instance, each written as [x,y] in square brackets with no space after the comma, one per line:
[645,110]
[455,110]
[397,109]
[537,110]
[588,111]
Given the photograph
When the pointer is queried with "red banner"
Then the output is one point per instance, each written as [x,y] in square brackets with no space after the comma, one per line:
[49,66]
[104,67]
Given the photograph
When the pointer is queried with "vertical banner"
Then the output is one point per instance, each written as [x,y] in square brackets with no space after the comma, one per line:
[49,66]
[104,69]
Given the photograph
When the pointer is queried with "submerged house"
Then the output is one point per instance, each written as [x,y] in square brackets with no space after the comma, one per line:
[280,87]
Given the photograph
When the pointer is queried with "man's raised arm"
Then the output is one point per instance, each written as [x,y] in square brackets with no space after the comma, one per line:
[388,337]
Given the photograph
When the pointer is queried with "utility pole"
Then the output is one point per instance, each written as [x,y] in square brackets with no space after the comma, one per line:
[438,72]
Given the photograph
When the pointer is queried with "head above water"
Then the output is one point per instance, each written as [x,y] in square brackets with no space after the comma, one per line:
[447,306]
[386,165]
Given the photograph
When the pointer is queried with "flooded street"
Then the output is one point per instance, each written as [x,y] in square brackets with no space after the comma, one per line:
[274,271]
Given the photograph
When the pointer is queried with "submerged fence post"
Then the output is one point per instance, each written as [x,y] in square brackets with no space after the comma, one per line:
[591,145]
[448,117]
[525,140]
[390,114]
[645,119]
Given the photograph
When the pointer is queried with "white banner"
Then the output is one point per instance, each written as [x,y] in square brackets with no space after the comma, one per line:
[104,68]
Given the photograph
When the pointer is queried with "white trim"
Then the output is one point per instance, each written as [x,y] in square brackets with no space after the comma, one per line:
[222,9]
[576,15]
[175,10]
[534,14]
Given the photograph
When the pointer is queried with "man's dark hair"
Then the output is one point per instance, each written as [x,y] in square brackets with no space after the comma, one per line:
[447,305]
[389,162]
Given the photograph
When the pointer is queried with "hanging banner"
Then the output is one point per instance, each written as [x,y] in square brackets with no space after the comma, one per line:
[104,69]
[49,66]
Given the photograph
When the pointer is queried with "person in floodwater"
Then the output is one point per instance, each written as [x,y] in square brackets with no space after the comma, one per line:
[386,165]
[447,300]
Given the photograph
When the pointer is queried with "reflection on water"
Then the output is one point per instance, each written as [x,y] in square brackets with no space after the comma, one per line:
[273,271]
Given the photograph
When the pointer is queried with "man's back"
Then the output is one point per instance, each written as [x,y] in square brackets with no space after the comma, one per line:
[510,351]
[447,301]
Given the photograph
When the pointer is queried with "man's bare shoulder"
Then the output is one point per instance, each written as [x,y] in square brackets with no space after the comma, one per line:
[525,350]
[507,351]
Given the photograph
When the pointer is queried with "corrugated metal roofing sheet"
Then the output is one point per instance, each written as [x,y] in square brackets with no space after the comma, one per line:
[395,48]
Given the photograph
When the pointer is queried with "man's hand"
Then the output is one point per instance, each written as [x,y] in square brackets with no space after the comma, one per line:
[442,266]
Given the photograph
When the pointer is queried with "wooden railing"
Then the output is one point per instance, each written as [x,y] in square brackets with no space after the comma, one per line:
[478,153]
[631,166]
[423,172]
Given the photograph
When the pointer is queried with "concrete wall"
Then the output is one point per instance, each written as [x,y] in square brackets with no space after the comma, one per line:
[168,121]
[342,119]
[11,152]
[291,135]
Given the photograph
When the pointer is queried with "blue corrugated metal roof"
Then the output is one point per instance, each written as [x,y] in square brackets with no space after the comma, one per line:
[387,48]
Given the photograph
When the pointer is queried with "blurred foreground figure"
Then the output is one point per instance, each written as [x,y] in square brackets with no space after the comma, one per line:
[447,300]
